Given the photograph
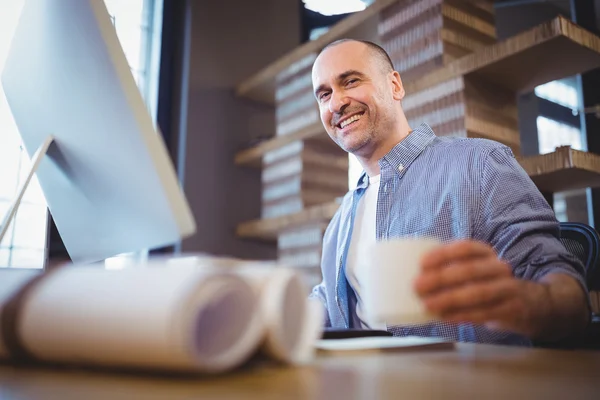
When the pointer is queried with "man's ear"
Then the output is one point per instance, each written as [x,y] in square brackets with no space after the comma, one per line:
[397,86]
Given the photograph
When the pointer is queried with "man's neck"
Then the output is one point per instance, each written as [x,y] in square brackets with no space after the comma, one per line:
[371,163]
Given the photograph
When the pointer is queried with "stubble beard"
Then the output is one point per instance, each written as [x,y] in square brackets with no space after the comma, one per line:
[357,144]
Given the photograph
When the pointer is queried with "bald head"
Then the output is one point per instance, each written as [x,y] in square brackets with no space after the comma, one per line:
[378,53]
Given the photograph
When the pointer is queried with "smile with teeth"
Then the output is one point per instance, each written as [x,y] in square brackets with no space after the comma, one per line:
[349,121]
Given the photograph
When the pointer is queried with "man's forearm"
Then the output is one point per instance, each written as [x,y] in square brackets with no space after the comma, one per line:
[559,307]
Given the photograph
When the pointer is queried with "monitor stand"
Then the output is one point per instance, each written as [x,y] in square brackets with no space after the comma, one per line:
[35,162]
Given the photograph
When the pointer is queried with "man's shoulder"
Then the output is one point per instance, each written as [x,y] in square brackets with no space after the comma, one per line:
[476,146]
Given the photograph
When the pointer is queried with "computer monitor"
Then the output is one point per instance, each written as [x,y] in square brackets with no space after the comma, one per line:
[108,180]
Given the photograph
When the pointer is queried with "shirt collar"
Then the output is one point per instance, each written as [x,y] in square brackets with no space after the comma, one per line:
[404,153]
[401,156]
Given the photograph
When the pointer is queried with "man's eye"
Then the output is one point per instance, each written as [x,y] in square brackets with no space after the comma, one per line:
[323,95]
[351,81]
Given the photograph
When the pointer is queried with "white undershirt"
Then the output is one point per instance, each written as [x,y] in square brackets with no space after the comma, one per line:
[363,236]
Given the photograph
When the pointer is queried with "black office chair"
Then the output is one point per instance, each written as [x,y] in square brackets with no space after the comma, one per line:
[583,241]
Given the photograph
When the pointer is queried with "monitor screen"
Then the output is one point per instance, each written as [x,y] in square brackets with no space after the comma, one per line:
[108,180]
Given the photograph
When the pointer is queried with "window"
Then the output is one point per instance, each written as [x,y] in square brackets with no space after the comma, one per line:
[25,241]
[138,26]
[569,205]
[563,92]
[333,7]
[553,134]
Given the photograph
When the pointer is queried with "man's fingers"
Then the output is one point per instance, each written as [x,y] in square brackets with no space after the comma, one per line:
[452,252]
[477,296]
[432,281]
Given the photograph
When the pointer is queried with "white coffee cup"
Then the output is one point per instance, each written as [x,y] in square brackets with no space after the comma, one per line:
[392,267]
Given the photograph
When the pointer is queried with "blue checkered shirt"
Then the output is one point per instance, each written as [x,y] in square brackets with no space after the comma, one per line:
[449,188]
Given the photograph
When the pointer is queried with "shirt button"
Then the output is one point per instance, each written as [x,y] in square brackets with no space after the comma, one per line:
[385,188]
[400,167]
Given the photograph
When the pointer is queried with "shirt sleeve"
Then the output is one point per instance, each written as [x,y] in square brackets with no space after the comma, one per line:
[518,222]
[328,266]
[319,293]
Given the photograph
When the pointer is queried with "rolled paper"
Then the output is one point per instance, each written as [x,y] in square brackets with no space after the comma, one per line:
[285,312]
[185,319]
[291,322]
[197,314]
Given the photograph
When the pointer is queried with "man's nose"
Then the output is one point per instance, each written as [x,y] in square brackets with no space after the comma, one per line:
[338,102]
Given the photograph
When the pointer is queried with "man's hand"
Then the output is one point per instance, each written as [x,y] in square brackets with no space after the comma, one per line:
[466,282]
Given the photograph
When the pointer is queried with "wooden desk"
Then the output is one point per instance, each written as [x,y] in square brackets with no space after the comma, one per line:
[468,372]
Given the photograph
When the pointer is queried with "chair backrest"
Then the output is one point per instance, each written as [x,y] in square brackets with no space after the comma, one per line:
[584,242]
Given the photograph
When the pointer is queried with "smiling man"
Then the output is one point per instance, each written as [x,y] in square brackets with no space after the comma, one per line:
[501,276]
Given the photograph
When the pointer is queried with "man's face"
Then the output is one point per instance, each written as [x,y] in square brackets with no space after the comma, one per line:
[355,96]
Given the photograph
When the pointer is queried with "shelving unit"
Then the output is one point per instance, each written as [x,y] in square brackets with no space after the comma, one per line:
[253,156]
[563,169]
[520,63]
[269,229]
[550,51]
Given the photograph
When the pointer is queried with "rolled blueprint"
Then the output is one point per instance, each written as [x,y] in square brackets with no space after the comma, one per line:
[176,319]
[291,322]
